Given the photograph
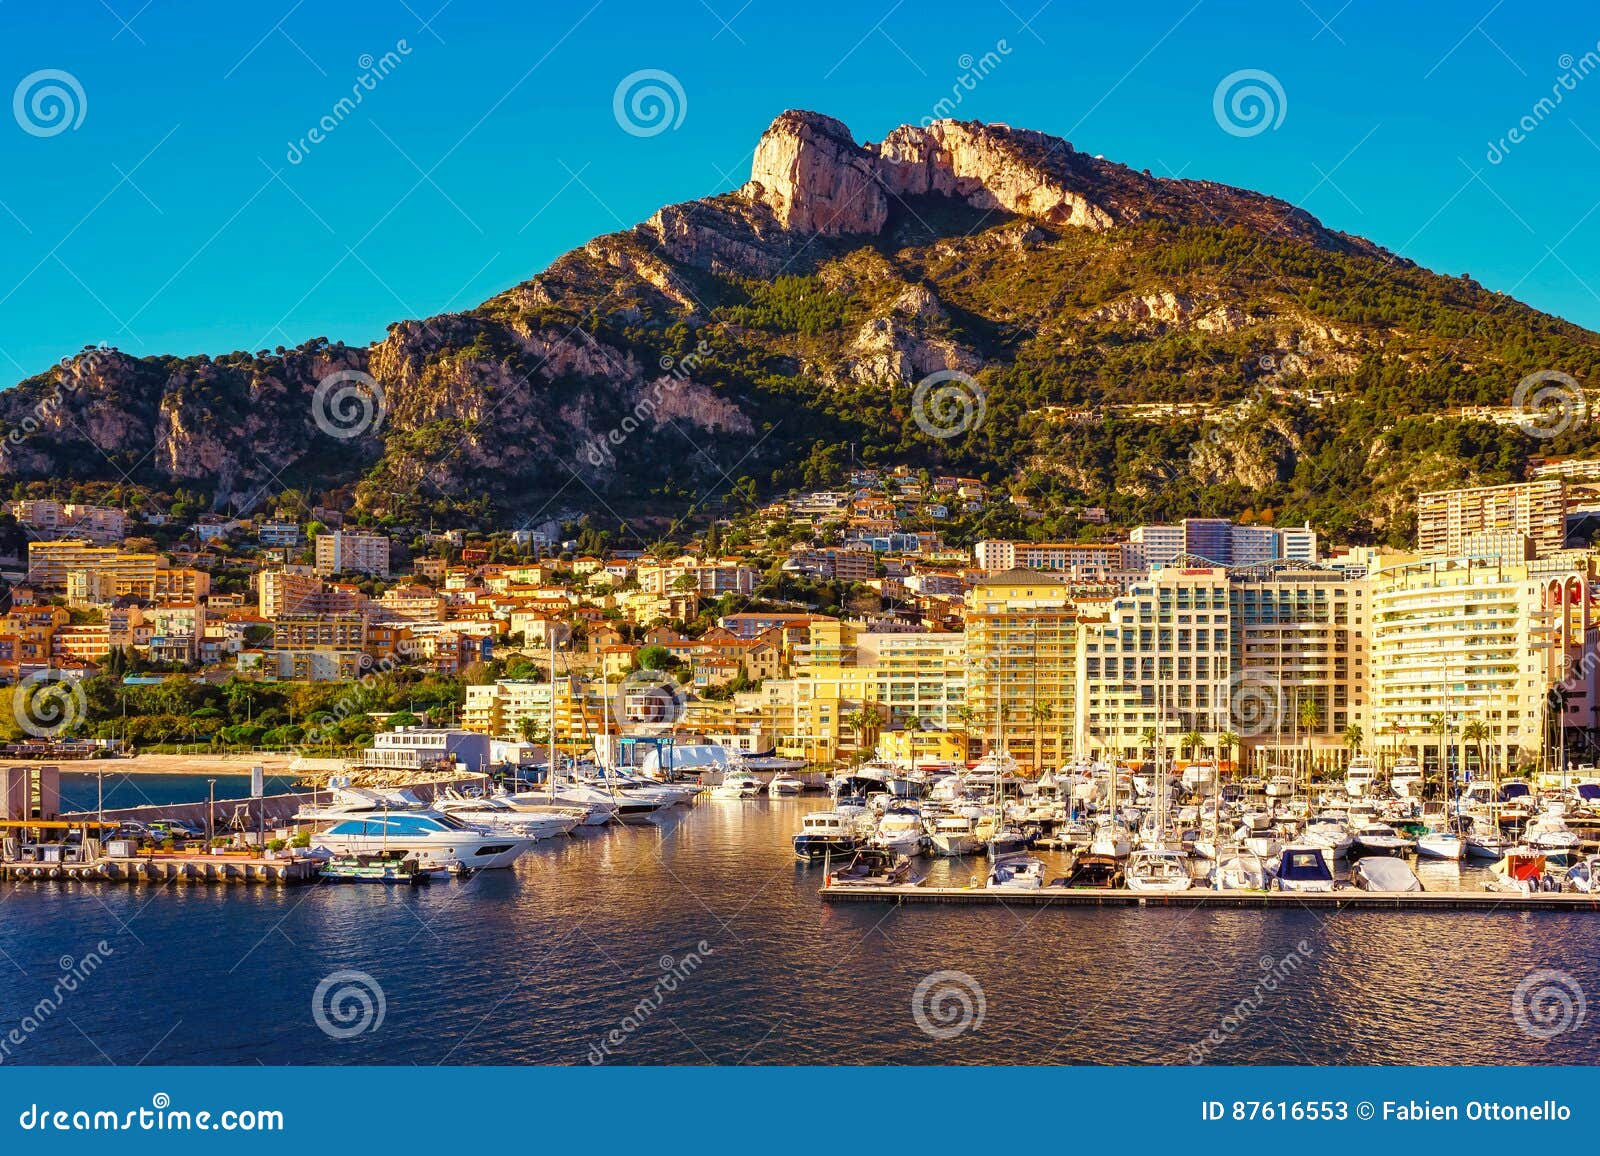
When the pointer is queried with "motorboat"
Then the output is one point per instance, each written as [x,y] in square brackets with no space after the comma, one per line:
[628,806]
[597,809]
[432,835]
[1280,787]
[1016,873]
[1240,870]
[1374,838]
[1199,776]
[900,831]
[1330,833]
[827,833]
[1405,778]
[1383,873]
[784,785]
[1477,846]
[738,785]
[1159,869]
[1359,776]
[404,867]
[497,815]
[1304,867]
[1584,875]
[1547,834]
[1436,844]
[347,801]
[874,867]
[1101,872]
[953,835]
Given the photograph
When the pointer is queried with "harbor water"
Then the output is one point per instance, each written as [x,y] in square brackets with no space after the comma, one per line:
[699,939]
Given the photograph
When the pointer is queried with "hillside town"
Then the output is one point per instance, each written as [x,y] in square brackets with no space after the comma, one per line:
[833,624]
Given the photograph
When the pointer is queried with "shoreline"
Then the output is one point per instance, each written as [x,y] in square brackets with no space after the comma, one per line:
[272,765]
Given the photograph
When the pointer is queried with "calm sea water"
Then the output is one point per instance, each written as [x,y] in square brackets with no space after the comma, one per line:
[543,964]
[80,789]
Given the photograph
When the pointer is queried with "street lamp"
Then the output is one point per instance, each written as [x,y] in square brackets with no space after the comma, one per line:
[211,814]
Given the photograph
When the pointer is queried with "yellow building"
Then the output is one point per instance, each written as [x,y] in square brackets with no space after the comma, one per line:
[1022,667]
[1480,640]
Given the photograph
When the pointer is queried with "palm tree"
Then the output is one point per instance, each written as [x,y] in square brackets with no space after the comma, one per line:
[859,721]
[1227,742]
[964,715]
[1310,717]
[1148,738]
[1477,733]
[1354,736]
[1041,714]
[1192,742]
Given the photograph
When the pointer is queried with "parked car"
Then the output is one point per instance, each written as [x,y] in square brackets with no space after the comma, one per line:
[176,829]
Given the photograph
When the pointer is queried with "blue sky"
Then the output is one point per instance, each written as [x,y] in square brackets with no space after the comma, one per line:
[172,218]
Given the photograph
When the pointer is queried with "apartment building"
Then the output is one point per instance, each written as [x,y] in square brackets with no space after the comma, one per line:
[49,564]
[1448,521]
[1475,640]
[1077,561]
[1022,667]
[352,551]
[45,518]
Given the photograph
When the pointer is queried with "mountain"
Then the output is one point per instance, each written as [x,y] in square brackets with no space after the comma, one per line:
[1105,337]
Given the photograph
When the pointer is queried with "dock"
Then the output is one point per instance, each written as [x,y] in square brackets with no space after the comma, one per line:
[165,869]
[1343,900]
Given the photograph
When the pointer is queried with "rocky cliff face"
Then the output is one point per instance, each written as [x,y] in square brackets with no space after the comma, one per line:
[753,332]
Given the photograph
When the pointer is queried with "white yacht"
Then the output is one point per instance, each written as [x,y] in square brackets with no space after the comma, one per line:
[1331,833]
[1547,834]
[1016,873]
[737,785]
[1199,776]
[598,807]
[1437,844]
[1240,870]
[1359,776]
[1406,778]
[784,785]
[1110,838]
[500,816]
[434,837]
[1381,839]
[900,831]
[1280,786]
[953,835]
[1159,869]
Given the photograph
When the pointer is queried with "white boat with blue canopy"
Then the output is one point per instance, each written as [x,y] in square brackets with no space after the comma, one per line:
[435,837]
